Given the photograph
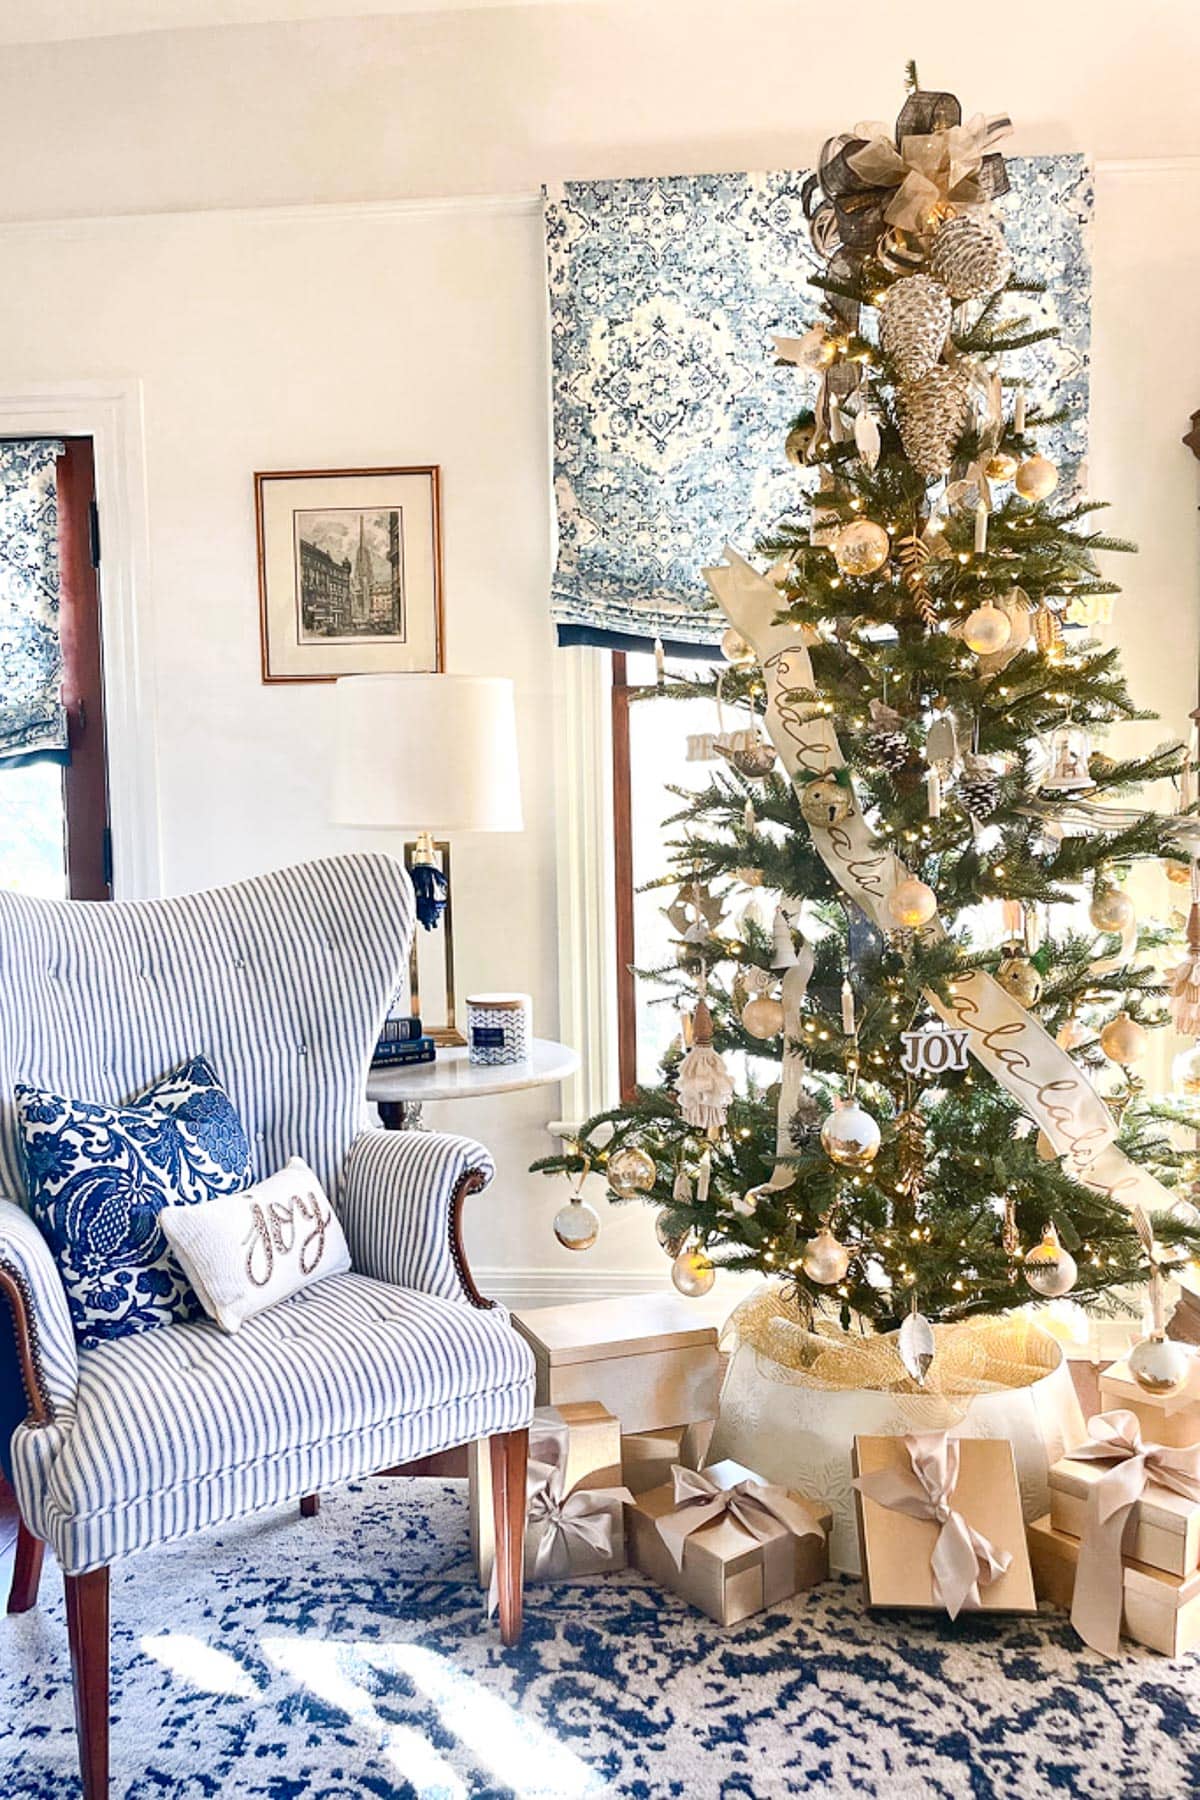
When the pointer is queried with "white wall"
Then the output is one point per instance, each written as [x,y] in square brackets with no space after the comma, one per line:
[387,335]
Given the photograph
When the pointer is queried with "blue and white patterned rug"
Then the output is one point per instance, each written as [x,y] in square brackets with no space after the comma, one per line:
[347,1656]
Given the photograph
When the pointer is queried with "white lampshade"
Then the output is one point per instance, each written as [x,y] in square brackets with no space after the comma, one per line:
[426,753]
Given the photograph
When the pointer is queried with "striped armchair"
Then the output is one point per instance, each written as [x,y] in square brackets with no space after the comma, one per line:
[283,981]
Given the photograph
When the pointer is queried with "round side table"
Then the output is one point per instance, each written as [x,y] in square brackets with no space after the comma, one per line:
[400,1093]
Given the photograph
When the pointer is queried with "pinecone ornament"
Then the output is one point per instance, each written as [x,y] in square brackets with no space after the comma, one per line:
[913,321]
[934,413]
[889,749]
[970,258]
[979,788]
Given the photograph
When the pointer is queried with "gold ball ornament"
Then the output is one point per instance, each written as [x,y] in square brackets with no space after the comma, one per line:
[1123,1040]
[987,630]
[826,802]
[1160,1365]
[693,1273]
[1049,1269]
[1111,910]
[861,547]
[825,1260]
[850,1137]
[1018,977]
[798,443]
[912,904]
[763,1017]
[576,1225]
[1037,478]
[631,1171]
[736,650]
[1177,871]
[1185,1073]
[1001,466]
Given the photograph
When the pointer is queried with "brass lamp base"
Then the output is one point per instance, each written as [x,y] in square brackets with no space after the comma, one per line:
[436,851]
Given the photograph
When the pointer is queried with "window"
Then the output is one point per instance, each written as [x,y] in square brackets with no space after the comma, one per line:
[650,743]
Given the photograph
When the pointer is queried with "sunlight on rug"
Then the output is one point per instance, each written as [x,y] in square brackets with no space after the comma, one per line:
[348,1656]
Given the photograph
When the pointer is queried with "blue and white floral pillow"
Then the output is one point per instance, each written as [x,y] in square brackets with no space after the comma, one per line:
[97,1178]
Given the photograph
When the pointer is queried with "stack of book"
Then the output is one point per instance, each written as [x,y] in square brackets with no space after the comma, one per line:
[402,1043]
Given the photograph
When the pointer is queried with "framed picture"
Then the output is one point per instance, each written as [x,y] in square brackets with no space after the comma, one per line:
[349,572]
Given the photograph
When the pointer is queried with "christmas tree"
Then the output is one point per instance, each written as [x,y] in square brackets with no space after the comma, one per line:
[910,1082]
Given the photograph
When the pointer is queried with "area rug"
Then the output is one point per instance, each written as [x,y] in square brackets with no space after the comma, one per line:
[348,1656]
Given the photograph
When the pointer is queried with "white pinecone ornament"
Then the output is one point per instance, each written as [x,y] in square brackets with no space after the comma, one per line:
[970,258]
[913,321]
[934,413]
[979,788]
[889,749]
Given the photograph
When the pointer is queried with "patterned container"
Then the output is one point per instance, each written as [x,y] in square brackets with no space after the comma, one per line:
[499,1028]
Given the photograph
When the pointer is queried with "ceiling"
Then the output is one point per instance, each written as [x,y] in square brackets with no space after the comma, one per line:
[50,21]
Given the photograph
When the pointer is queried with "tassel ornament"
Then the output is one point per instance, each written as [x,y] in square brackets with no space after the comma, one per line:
[704,1084]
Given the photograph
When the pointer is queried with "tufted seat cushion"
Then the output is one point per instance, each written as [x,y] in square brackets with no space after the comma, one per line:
[186,1427]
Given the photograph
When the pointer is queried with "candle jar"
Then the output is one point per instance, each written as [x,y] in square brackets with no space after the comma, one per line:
[499,1028]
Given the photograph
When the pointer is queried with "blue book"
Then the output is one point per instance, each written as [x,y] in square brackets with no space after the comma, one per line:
[393,1056]
[401,1030]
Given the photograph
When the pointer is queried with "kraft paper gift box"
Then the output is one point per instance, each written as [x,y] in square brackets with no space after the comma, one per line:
[652,1361]
[1165,1419]
[898,1548]
[592,1464]
[727,1571]
[1158,1610]
[647,1457]
[1163,1528]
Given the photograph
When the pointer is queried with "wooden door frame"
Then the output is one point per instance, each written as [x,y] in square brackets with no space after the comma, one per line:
[85,777]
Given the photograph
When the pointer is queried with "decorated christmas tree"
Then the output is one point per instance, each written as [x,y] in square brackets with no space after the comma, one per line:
[915,989]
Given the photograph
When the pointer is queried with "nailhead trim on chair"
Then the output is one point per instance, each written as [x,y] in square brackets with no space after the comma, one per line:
[29,1347]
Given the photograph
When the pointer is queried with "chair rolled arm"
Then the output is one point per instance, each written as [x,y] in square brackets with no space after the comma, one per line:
[41,1321]
[401,1208]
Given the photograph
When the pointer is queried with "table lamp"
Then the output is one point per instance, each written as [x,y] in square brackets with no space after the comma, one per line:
[426,755]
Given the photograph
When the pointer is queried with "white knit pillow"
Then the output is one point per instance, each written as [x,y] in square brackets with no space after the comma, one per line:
[244,1252]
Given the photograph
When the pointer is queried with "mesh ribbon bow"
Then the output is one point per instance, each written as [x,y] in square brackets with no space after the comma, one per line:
[963,1560]
[1099,1581]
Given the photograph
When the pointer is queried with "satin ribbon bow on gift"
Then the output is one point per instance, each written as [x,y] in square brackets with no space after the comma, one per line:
[558,1525]
[770,1514]
[1099,1579]
[963,1560]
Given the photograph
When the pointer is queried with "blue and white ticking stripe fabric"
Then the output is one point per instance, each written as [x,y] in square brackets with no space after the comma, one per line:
[669,414]
[396,1206]
[284,981]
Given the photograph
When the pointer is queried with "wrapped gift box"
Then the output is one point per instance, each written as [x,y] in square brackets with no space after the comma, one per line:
[1163,1528]
[647,1457]
[728,1572]
[593,1463]
[1159,1610]
[1165,1419]
[652,1361]
[897,1548]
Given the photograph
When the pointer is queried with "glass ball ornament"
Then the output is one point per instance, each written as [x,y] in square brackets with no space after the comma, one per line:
[825,1260]
[912,903]
[1049,1269]
[736,650]
[1110,910]
[1185,1073]
[669,1240]
[1036,478]
[693,1273]
[763,1017]
[861,547]
[576,1225]
[987,630]
[1123,1040]
[631,1171]
[1160,1365]
[1000,466]
[826,802]
[850,1137]
[1019,979]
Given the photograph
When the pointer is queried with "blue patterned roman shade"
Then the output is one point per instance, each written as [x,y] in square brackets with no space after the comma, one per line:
[669,414]
[33,723]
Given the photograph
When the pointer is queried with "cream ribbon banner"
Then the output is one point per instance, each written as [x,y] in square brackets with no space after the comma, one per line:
[1015,1049]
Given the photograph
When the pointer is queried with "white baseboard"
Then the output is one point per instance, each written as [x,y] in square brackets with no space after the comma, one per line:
[561,1287]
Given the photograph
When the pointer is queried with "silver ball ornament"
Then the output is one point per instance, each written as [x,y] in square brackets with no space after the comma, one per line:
[1111,910]
[1049,1269]
[576,1225]
[825,1260]
[987,630]
[861,547]
[850,1137]
[912,904]
[736,650]
[1160,1365]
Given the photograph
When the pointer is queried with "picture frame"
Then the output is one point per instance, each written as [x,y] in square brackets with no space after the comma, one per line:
[349,572]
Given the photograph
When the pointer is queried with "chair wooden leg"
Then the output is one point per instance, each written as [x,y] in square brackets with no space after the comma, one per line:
[27,1571]
[87,1628]
[310,1506]
[510,1453]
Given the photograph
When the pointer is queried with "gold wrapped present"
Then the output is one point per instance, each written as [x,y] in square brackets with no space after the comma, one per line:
[1172,1419]
[574,1473]
[647,1457]
[729,1543]
[1159,1610]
